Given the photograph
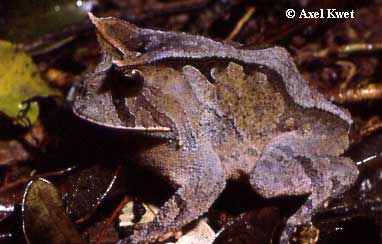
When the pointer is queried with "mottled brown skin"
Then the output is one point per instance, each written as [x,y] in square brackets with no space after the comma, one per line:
[209,112]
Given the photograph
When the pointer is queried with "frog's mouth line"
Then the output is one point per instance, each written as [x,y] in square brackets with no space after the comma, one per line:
[120,127]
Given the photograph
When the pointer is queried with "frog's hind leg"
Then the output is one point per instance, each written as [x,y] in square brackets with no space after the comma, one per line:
[205,181]
[331,176]
[289,169]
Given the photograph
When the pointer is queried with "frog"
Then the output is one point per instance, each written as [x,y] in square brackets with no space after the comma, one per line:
[200,112]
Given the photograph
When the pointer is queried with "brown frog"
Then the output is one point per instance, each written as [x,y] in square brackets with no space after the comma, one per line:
[201,112]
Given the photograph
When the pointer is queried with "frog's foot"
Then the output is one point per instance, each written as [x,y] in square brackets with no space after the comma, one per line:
[288,170]
[190,201]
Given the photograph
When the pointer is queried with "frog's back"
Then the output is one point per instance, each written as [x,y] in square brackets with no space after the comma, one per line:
[256,108]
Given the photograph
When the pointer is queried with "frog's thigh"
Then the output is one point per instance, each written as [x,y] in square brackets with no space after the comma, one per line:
[205,181]
[278,172]
[330,176]
[288,167]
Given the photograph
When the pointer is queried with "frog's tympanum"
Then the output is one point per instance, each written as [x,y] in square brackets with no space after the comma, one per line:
[201,112]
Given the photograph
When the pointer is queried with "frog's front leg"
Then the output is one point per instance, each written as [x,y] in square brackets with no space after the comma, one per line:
[289,166]
[205,181]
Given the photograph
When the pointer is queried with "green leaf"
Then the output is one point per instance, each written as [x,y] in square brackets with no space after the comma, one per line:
[19,82]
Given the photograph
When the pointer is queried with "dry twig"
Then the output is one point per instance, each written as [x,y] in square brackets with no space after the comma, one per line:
[349,76]
[250,11]
[111,219]
[369,92]
[371,126]
[349,49]
[25,180]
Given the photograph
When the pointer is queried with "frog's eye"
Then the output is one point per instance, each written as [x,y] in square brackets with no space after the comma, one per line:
[124,83]
[134,74]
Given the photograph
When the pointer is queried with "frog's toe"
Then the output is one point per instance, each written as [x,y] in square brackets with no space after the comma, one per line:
[127,240]
[290,229]
[287,234]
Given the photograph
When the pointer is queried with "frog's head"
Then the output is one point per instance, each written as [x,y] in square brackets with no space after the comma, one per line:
[114,97]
